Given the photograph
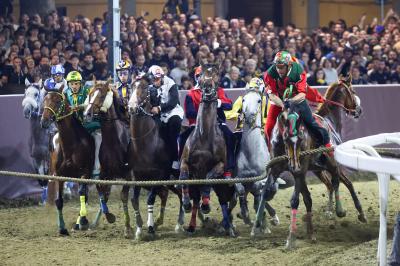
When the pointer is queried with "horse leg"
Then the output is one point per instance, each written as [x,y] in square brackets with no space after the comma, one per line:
[138,217]
[150,206]
[104,193]
[259,224]
[181,215]
[244,210]
[42,182]
[323,176]
[184,175]
[308,202]
[127,220]
[83,221]
[205,199]
[195,195]
[334,171]
[163,194]
[294,204]
[60,204]
[224,193]
[346,181]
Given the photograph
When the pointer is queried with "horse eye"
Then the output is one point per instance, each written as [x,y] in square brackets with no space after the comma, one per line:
[259,101]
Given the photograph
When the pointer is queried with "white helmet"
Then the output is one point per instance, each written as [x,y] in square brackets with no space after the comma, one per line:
[155,72]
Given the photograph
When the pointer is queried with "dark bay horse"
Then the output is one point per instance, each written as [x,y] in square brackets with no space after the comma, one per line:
[290,137]
[204,154]
[76,154]
[148,156]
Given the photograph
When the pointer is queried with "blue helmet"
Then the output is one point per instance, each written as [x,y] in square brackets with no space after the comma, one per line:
[57,69]
[49,84]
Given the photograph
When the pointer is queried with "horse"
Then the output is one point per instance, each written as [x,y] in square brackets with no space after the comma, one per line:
[148,157]
[253,155]
[290,137]
[114,144]
[204,154]
[75,156]
[39,137]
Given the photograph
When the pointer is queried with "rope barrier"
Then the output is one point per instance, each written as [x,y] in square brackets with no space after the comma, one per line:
[162,182]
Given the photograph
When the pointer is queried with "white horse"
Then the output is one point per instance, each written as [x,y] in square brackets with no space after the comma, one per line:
[253,154]
[39,137]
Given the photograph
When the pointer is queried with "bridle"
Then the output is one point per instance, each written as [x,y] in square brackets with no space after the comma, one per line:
[59,114]
[252,121]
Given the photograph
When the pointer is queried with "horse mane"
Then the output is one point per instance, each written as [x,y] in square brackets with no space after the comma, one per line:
[328,95]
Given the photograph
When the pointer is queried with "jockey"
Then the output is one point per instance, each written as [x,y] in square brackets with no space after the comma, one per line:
[57,75]
[236,112]
[124,73]
[164,98]
[286,85]
[77,97]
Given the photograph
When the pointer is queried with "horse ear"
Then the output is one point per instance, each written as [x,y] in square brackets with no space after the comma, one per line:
[61,88]
[27,83]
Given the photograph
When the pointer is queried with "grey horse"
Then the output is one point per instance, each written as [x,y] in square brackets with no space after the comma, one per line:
[252,155]
[39,137]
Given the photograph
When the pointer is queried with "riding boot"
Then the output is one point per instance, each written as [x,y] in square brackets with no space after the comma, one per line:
[97,141]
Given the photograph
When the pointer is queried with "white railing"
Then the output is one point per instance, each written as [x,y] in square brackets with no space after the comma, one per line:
[361,155]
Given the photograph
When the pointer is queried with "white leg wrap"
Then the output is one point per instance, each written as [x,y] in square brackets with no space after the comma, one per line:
[97,142]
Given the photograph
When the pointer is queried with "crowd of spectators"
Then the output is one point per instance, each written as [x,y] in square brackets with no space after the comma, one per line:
[178,42]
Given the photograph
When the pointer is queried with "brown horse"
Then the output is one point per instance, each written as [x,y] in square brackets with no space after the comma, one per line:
[290,137]
[148,155]
[113,154]
[204,154]
[76,154]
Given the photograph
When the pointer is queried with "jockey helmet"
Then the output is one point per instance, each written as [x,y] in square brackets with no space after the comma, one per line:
[283,58]
[124,71]
[256,84]
[49,84]
[123,65]
[74,76]
[57,70]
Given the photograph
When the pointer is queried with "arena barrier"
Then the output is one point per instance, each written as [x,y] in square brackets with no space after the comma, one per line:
[379,104]
[360,154]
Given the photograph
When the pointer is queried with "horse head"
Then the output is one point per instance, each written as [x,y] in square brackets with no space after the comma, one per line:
[208,82]
[343,94]
[55,106]
[293,136]
[31,101]
[139,103]
[251,108]
[100,98]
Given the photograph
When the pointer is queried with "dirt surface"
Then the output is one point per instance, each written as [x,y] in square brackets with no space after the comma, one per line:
[29,236]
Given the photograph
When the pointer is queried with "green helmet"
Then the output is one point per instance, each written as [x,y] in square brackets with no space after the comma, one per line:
[74,76]
[283,58]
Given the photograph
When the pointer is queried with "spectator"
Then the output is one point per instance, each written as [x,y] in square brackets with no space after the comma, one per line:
[318,79]
[233,80]
[186,83]
[180,70]
[395,77]
[73,64]
[87,66]
[380,75]
[357,79]
[17,75]
[140,65]
[3,82]
[331,74]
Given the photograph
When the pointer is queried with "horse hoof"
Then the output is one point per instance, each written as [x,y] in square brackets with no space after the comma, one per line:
[247,220]
[110,217]
[179,229]
[232,232]
[205,208]
[83,224]
[75,227]
[341,213]
[362,218]
[128,234]
[275,220]
[313,238]
[63,232]
[290,242]
[138,234]
[191,230]
[151,232]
